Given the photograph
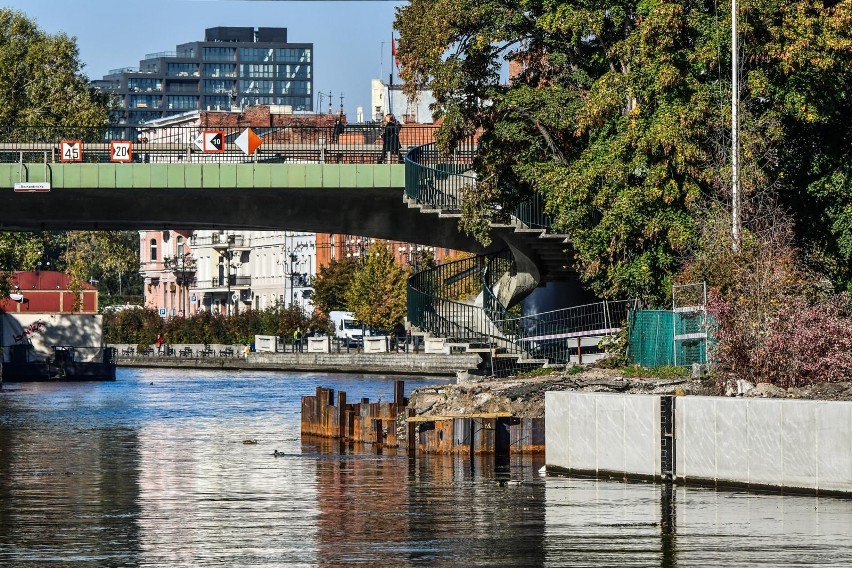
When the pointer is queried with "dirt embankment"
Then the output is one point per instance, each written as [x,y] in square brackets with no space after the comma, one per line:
[524,396]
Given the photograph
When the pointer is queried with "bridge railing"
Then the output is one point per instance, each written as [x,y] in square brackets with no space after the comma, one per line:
[439,181]
[293,143]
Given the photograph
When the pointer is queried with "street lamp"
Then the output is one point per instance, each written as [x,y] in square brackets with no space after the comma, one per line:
[181,266]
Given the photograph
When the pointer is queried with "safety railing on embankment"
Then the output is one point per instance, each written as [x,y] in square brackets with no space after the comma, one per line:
[299,143]
[458,300]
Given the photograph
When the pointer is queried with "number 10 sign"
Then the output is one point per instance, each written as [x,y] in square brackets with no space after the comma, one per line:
[121,151]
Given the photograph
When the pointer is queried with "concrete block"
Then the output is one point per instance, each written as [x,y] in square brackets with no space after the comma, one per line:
[376,344]
[435,345]
[265,343]
[764,441]
[582,432]
[642,435]
[834,446]
[611,443]
[320,344]
[696,437]
[798,444]
[731,439]
[556,430]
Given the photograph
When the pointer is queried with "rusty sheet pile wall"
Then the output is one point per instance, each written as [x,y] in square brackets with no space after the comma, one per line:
[394,425]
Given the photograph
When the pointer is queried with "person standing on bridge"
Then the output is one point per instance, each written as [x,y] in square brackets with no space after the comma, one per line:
[390,140]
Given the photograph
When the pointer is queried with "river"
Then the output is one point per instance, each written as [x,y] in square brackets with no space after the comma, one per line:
[152,470]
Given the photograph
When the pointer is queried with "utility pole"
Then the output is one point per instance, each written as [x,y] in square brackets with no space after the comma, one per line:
[735,135]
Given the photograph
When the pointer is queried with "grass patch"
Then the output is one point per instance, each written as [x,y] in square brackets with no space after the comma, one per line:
[666,373]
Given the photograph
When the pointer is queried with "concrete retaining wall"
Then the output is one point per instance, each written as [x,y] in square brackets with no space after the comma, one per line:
[383,363]
[603,433]
[759,443]
[801,444]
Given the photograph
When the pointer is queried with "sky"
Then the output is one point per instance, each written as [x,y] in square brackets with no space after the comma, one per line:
[351,37]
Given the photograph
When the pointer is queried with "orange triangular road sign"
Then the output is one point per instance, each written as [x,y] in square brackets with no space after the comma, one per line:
[248,141]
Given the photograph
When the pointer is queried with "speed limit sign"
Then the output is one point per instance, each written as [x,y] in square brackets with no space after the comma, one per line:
[121,151]
[71,150]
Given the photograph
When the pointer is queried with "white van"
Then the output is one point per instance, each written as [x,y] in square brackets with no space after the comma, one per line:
[346,327]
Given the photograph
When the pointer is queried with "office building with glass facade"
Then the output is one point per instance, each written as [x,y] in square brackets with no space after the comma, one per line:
[233,67]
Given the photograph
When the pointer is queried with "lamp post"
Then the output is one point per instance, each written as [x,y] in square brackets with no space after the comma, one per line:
[181,266]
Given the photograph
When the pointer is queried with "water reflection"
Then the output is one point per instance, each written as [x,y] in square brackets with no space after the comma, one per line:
[139,474]
[430,511]
[603,523]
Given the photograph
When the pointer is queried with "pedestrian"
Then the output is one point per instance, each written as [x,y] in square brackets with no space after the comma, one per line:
[390,139]
[297,340]
[338,129]
[246,351]
[159,343]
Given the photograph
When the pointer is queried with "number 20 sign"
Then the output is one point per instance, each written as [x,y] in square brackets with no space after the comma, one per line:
[71,150]
[121,151]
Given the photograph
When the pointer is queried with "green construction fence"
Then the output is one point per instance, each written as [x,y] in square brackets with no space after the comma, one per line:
[651,338]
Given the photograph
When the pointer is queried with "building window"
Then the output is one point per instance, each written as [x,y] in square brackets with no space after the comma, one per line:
[182,70]
[181,103]
[294,88]
[219,53]
[180,245]
[218,86]
[293,55]
[256,87]
[257,71]
[136,85]
[294,71]
[219,70]
[144,101]
[153,250]
[256,54]
[218,102]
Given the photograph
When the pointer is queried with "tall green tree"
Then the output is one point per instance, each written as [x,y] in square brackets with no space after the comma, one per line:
[617,114]
[331,283]
[43,95]
[41,79]
[377,294]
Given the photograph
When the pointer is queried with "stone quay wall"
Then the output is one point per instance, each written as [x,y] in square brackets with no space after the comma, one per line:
[797,445]
[437,364]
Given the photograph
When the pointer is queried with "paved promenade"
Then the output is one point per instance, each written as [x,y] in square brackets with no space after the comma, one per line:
[382,363]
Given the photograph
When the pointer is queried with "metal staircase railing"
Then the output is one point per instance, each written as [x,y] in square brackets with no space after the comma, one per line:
[460,300]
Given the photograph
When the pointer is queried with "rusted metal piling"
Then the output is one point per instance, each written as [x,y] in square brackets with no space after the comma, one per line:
[394,425]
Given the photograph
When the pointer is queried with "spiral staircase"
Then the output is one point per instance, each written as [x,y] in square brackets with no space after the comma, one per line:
[474,302]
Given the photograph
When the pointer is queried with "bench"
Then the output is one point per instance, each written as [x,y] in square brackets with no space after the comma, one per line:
[227,352]
[186,352]
[206,352]
[147,351]
[129,351]
[167,351]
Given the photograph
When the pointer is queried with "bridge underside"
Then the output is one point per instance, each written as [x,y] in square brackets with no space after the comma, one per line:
[304,201]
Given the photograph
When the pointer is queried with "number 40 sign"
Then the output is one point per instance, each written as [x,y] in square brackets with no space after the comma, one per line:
[121,151]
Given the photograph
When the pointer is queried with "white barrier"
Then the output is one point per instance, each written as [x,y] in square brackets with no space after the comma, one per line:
[376,344]
[265,343]
[435,345]
[320,344]
[797,444]
[602,432]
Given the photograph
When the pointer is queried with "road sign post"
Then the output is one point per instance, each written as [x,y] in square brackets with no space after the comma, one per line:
[211,141]
[248,141]
[71,150]
[121,151]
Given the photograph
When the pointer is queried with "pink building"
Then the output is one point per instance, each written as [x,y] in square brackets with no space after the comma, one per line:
[168,270]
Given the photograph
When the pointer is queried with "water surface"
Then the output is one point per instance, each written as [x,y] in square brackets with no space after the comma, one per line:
[151,470]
